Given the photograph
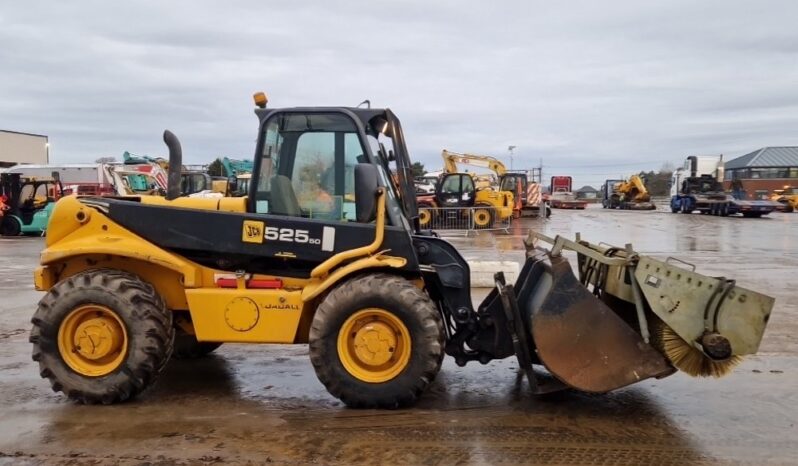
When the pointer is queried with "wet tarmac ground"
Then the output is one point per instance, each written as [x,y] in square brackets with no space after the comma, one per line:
[263,404]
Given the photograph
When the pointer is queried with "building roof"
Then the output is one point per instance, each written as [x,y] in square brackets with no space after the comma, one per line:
[24,134]
[587,189]
[766,157]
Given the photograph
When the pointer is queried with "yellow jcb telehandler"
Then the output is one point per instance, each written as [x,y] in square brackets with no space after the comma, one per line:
[456,189]
[326,249]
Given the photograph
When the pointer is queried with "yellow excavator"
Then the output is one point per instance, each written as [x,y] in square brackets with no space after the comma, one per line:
[130,282]
[628,194]
[787,197]
[461,189]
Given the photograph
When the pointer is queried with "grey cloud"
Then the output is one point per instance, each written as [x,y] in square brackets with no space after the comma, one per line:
[626,84]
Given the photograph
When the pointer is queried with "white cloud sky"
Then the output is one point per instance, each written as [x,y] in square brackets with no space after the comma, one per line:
[594,89]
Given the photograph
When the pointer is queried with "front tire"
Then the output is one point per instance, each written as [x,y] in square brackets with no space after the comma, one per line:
[102,336]
[10,226]
[376,341]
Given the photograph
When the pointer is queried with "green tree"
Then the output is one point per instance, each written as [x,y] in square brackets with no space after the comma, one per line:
[418,169]
[215,168]
[658,184]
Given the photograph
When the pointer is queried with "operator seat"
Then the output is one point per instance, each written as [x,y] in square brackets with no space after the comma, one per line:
[283,197]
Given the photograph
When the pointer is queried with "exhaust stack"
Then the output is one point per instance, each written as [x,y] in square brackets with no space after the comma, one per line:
[175,165]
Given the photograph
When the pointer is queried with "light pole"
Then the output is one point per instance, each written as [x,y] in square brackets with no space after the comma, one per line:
[510,149]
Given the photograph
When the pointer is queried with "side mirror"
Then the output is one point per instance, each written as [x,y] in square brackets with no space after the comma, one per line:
[232,184]
[366,184]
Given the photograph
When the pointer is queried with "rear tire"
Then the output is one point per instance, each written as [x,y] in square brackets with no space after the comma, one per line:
[483,218]
[80,309]
[398,380]
[424,217]
[10,226]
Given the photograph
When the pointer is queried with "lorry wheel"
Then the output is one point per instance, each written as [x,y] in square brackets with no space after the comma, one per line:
[101,336]
[187,347]
[376,341]
[10,226]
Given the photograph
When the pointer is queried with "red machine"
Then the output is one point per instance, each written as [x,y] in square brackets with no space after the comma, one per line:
[561,184]
[561,196]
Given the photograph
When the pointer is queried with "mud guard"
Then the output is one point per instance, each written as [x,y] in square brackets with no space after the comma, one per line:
[583,342]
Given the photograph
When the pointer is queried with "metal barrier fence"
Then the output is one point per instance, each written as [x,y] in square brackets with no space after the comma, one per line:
[464,219]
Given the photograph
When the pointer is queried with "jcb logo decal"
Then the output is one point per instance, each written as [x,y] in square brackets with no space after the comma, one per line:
[252,232]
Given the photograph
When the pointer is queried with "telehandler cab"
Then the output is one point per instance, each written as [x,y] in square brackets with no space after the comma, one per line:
[326,249]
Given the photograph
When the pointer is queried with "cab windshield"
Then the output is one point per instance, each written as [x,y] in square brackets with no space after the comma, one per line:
[307,166]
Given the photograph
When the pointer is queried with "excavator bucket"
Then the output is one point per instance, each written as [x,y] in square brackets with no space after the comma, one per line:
[586,344]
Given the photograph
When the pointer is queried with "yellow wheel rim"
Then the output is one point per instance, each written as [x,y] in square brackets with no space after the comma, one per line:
[424,216]
[481,218]
[92,340]
[374,345]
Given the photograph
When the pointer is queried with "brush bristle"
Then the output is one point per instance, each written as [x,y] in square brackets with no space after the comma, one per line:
[687,358]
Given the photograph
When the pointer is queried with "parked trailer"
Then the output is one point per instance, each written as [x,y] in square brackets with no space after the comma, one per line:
[721,204]
[696,187]
[562,196]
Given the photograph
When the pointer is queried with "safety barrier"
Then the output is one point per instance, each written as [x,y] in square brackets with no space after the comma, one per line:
[463,219]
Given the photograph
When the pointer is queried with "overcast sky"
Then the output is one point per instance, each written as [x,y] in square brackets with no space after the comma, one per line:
[593,89]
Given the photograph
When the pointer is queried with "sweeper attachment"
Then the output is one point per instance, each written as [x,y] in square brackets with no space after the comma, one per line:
[328,250]
[630,317]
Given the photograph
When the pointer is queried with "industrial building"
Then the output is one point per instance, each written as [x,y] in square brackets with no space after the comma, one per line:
[763,170]
[587,193]
[16,147]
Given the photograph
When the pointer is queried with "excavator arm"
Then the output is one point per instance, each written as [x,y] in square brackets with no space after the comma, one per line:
[451,159]
[634,190]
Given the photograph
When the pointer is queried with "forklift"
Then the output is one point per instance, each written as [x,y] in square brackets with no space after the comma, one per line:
[29,203]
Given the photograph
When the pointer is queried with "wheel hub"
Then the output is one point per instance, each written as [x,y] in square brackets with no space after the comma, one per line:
[98,337]
[92,340]
[375,343]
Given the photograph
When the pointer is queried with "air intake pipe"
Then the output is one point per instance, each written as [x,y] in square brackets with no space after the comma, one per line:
[175,164]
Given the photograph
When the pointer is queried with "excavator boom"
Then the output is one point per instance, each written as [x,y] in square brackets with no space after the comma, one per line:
[451,159]
[630,194]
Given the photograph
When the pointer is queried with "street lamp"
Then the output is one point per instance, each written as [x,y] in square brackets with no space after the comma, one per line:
[510,149]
